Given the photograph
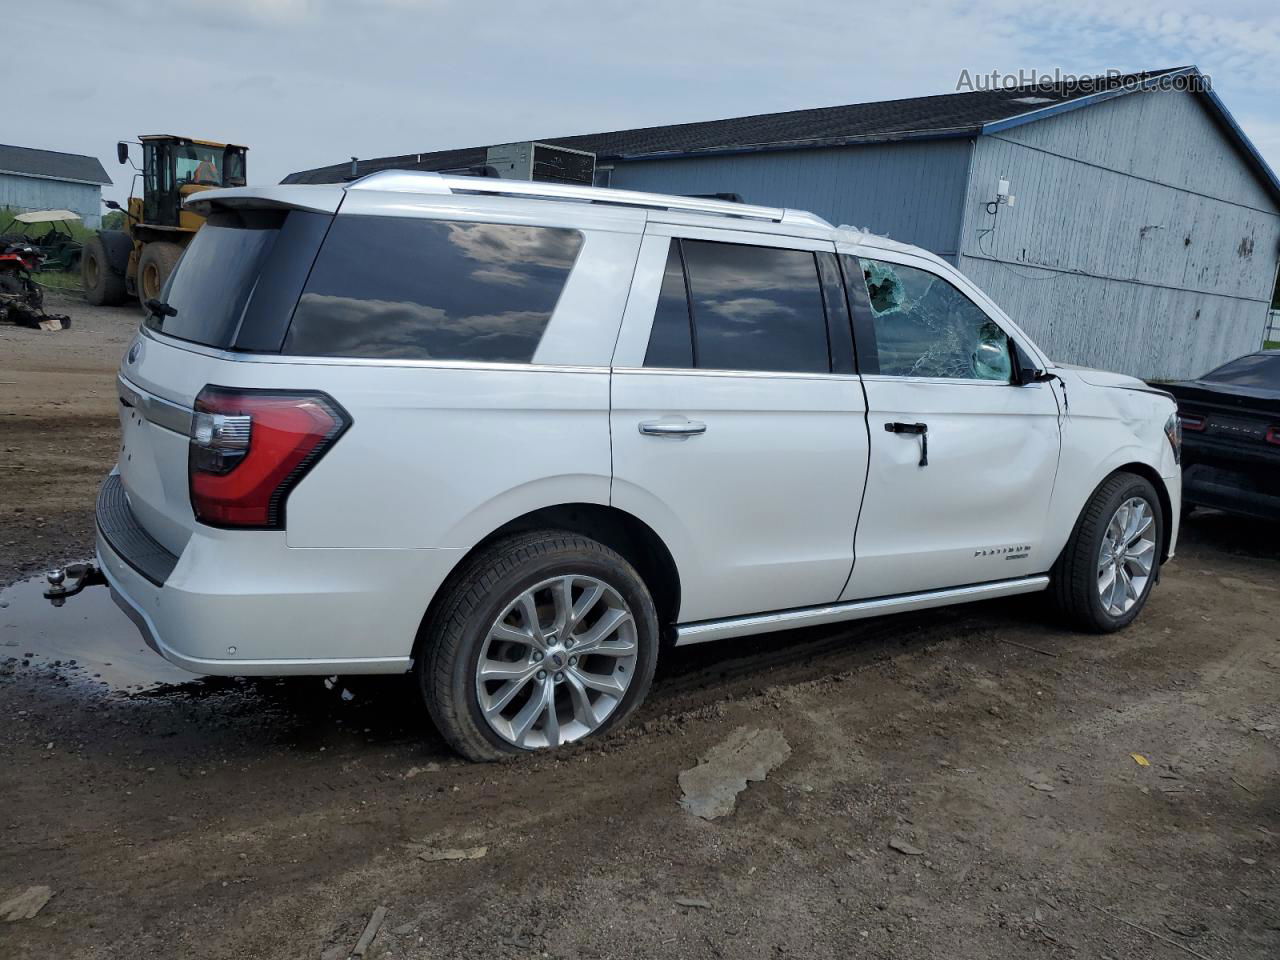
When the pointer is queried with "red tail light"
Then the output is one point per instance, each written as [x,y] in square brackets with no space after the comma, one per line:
[1191,421]
[249,448]
[1273,434]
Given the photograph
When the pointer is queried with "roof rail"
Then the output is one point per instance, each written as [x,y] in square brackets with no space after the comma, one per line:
[424,182]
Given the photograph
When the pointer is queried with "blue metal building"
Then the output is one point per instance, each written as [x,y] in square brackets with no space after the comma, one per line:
[1143,236]
[32,179]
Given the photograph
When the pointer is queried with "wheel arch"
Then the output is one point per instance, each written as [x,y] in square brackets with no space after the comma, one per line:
[617,529]
[1151,475]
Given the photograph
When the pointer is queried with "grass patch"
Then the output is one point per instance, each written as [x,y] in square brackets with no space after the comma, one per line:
[1271,345]
[61,281]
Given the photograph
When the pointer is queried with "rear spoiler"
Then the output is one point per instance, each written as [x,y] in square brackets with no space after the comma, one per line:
[315,198]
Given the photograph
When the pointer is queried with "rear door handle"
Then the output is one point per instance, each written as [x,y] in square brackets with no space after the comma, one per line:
[919,429]
[678,429]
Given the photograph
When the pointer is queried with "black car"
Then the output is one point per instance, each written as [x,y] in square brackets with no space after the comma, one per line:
[1231,436]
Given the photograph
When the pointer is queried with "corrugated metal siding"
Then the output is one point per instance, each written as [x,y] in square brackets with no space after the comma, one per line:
[910,191]
[1165,136]
[33,193]
[1139,329]
[1113,256]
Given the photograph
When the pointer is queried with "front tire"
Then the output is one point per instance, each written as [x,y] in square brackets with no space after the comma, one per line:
[1105,574]
[543,639]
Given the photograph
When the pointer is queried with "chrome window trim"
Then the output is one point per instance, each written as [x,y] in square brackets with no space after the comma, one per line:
[236,357]
[758,374]
[950,381]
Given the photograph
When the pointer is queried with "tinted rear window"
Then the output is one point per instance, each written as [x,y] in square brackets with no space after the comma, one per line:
[1255,370]
[238,281]
[404,288]
[215,277]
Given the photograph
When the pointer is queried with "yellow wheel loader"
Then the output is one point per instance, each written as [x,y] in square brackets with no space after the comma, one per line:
[136,261]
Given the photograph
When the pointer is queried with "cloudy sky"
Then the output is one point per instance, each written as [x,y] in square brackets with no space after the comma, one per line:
[309,82]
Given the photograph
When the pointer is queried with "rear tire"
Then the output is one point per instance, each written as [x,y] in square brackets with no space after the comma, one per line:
[587,664]
[1098,583]
[103,283]
[154,266]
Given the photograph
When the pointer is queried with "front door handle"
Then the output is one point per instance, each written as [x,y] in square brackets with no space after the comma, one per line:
[919,429]
[678,429]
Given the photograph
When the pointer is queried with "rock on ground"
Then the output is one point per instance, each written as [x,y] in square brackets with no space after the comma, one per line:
[711,788]
[26,904]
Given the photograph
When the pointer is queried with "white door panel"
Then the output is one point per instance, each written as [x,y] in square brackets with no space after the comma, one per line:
[766,497]
[977,511]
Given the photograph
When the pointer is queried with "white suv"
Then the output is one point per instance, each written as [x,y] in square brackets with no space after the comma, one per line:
[515,437]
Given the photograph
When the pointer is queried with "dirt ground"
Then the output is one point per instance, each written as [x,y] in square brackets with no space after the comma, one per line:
[58,428]
[270,819]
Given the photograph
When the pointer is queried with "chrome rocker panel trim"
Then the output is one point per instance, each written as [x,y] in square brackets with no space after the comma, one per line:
[707,630]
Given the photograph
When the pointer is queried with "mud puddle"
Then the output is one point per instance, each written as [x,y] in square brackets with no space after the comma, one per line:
[88,639]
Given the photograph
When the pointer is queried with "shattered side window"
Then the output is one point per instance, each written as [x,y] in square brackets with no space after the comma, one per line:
[925,327]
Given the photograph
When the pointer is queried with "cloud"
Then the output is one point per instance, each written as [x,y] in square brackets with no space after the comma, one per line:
[499,274]
[311,82]
[503,244]
[750,309]
[327,325]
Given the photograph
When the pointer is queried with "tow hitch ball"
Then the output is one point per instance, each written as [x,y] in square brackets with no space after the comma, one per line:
[70,580]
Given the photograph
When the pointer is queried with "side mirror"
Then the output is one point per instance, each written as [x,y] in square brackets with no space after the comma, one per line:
[1029,375]
[111,204]
[122,152]
[1025,370]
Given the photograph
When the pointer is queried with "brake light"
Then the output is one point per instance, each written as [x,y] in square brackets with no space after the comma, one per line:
[1273,434]
[249,448]
[1191,421]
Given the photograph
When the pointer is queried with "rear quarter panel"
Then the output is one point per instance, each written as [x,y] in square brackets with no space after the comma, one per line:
[443,456]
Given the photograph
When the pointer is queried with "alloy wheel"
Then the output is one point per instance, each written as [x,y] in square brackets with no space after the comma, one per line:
[1126,556]
[556,662]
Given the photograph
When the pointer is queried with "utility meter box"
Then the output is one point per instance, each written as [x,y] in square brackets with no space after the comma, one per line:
[530,160]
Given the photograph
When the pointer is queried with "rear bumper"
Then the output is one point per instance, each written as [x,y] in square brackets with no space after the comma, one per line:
[243,603]
[1225,489]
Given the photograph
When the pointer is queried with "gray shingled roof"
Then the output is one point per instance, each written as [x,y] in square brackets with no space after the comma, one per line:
[945,115]
[51,164]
